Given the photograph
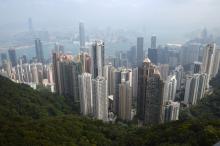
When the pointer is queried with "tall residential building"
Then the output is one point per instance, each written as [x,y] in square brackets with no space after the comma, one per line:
[82,36]
[208,60]
[164,71]
[171,111]
[116,82]
[195,88]
[125,101]
[150,93]
[85,60]
[134,87]
[100,94]
[179,72]
[66,72]
[85,93]
[170,88]
[216,61]
[153,42]
[196,67]
[12,57]
[39,51]
[108,74]
[140,50]
[98,58]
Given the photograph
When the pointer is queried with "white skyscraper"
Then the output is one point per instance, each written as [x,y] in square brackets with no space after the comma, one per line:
[97,54]
[179,72]
[85,93]
[215,67]
[100,94]
[171,111]
[170,88]
[195,88]
[208,60]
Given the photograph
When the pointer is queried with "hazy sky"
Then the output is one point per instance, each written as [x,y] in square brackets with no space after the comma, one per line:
[156,16]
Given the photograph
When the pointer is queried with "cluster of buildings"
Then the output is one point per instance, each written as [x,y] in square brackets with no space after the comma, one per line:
[151,87]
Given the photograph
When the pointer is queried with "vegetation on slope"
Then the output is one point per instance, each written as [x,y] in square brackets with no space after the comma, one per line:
[29,117]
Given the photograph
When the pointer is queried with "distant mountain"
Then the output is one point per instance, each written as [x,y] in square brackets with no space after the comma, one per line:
[29,117]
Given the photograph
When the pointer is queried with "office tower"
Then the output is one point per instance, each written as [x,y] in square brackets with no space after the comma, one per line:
[39,51]
[179,72]
[85,60]
[3,57]
[85,93]
[197,67]
[216,60]
[98,58]
[12,57]
[30,26]
[171,111]
[100,94]
[164,71]
[82,36]
[140,50]
[153,55]
[150,93]
[40,72]
[208,60]
[169,92]
[195,88]
[125,100]
[153,42]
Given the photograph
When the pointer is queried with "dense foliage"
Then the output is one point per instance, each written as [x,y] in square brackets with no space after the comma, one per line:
[29,117]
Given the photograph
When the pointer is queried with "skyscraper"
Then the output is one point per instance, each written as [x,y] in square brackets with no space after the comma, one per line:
[195,88]
[171,111]
[85,92]
[153,55]
[125,100]
[12,57]
[169,88]
[197,67]
[216,61]
[100,94]
[82,36]
[208,60]
[179,72]
[39,51]
[66,72]
[153,42]
[150,93]
[98,58]
[140,50]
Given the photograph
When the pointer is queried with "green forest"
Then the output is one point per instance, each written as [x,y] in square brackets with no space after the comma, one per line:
[38,118]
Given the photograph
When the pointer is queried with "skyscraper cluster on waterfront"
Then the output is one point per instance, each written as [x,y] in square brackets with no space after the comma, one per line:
[151,87]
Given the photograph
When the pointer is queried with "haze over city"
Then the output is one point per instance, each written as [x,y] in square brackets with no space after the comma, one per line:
[110,72]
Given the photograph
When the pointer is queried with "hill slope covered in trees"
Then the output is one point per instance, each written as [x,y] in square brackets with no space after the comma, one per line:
[29,117]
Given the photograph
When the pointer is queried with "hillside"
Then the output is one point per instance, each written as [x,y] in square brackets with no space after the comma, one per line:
[29,117]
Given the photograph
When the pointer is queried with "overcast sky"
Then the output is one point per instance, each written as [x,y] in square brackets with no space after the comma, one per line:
[165,16]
